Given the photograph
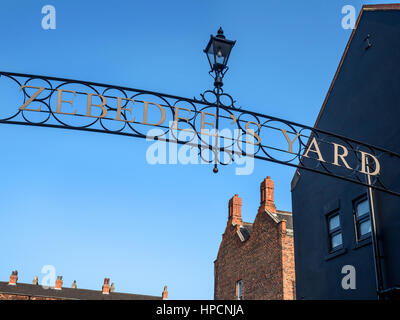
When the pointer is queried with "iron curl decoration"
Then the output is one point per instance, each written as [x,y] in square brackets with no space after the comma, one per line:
[216,94]
[133,112]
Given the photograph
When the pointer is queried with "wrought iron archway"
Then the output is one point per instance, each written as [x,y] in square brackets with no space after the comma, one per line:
[226,113]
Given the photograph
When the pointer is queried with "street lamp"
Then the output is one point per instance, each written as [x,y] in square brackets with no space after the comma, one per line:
[218,50]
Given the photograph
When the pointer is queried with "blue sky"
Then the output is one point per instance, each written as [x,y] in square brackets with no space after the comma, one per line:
[89,203]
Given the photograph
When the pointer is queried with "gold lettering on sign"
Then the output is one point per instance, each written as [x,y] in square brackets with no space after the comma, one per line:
[177,118]
[317,151]
[290,142]
[33,97]
[342,156]
[90,105]
[252,133]
[203,123]
[233,118]
[60,101]
[145,110]
[364,163]
[120,108]
[340,152]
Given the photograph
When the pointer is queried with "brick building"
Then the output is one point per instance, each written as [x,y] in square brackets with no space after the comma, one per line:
[13,290]
[256,260]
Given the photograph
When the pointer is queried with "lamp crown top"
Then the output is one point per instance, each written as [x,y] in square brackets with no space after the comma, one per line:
[220,33]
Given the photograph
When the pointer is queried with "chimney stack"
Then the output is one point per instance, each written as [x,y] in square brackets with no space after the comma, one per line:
[59,283]
[74,286]
[13,278]
[267,196]
[235,210]
[35,281]
[112,288]
[106,286]
[165,293]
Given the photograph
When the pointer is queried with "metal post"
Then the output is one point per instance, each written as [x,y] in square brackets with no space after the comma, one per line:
[218,85]
[375,247]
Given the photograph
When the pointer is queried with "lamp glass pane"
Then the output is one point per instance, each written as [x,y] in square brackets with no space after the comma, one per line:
[222,51]
[210,56]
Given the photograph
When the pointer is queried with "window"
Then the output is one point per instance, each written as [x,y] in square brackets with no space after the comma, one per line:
[362,219]
[335,232]
[239,290]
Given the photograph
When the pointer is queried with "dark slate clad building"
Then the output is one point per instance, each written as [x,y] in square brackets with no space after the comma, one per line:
[331,217]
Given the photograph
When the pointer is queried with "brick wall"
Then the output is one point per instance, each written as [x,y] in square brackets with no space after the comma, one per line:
[6,296]
[288,267]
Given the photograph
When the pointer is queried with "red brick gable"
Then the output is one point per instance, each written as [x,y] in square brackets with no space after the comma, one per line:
[264,262]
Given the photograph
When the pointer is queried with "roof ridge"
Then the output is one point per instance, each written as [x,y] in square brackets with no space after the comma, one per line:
[66,292]
[382,6]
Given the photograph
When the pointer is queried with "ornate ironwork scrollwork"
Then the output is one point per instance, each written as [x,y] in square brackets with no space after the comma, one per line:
[249,128]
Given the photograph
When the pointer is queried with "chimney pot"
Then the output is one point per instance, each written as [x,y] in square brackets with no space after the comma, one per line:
[59,283]
[267,195]
[235,210]
[165,293]
[106,286]
[13,278]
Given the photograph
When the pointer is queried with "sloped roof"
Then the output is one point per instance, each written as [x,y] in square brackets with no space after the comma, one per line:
[245,230]
[287,216]
[32,290]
